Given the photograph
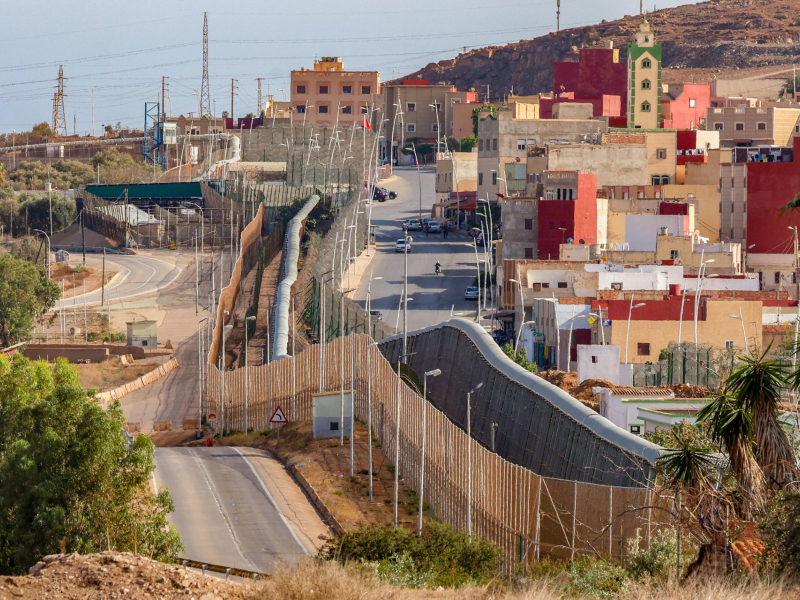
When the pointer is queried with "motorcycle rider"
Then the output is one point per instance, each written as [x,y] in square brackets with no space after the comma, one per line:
[438,267]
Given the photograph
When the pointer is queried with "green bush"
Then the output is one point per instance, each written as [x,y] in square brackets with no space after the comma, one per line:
[595,578]
[441,557]
[779,525]
[659,561]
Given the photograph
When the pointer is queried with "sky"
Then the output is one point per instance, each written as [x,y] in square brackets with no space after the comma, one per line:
[121,49]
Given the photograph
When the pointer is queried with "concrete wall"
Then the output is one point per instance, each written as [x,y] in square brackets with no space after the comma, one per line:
[641,231]
[762,89]
[667,141]
[613,164]
[516,237]
[113,349]
[328,412]
[598,362]
[96,354]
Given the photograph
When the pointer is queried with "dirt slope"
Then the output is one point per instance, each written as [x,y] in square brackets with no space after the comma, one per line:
[722,36]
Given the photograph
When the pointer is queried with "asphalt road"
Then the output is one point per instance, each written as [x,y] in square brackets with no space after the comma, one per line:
[140,275]
[225,510]
[431,296]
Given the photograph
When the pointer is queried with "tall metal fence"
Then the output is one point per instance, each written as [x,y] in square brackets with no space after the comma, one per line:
[526,515]
[703,365]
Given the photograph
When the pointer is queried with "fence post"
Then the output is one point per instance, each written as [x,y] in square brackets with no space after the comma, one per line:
[537,534]
[574,518]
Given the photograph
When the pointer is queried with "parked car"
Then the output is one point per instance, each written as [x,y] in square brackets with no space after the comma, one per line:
[402,245]
[471,293]
[414,225]
[425,222]
[376,313]
[379,195]
[434,227]
[388,193]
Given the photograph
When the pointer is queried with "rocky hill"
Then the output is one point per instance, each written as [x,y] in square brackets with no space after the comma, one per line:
[726,38]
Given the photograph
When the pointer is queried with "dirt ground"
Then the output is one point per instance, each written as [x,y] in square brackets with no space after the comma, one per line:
[117,575]
[97,323]
[112,373]
[62,273]
[326,466]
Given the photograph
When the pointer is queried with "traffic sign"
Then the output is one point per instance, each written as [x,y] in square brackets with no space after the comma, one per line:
[278,416]
[212,416]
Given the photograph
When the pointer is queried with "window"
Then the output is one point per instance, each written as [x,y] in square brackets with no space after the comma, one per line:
[347,109]
[494,144]
[347,89]
[528,252]
[797,128]
[323,110]
[551,225]
[411,128]
[636,429]
[436,107]
[777,276]
[301,108]
[761,126]
[494,178]
[642,349]
[692,102]
[528,223]
[702,122]
[411,107]
[323,89]
[719,126]
[480,178]
[545,285]
[334,425]
[435,128]
[674,254]
[562,284]
[646,84]
[739,127]
[144,342]
[520,144]
[728,344]
[364,109]
[646,63]
[594,360]
[301,89]
[366,89]
[661,153]
[645,106]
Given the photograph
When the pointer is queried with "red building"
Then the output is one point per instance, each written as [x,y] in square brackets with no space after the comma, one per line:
[688,148]
[567,211]
[770,187]
[593,78]
[683,105]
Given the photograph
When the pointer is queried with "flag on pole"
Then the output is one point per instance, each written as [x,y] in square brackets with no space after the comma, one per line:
[366,123]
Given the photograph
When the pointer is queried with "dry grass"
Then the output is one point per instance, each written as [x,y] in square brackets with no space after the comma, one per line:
[318,581]
[111,374]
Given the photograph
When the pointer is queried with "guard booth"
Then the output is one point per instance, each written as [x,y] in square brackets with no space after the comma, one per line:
[62,256]
[328,414]
[143,334]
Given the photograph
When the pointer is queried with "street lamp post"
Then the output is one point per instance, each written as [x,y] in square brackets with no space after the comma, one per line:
[433,373]
[369,302]
[246,371]
[699,292]
[521,298]
[405,295]
[628,334]
[369,416]
[744,333]
[200,366]
[469,458]
[225,415]
[519,333]
[48,250]
[419,176]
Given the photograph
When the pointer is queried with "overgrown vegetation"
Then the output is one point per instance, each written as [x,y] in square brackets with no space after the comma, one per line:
[442,556]
[26,294]
[70,478]
[520,357]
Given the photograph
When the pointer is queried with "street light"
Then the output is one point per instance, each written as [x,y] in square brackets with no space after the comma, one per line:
[628,334]
[369,302]
[225,329]
[744,334]
[521,298]
[469,458]
[200,366]
[48,250]
[246,374]
[519,333]
[433,373]
[602,330]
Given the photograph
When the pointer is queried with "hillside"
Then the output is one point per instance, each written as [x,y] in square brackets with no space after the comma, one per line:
[723,38]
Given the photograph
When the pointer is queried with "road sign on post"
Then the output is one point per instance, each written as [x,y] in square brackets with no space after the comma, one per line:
[278,417]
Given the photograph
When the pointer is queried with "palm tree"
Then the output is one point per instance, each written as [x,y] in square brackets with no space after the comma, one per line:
[731,426]
[757,386]
[688,463]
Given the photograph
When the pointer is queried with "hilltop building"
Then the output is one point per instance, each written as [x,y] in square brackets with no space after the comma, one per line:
[644,80]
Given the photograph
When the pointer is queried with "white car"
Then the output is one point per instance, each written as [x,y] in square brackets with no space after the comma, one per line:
[402,246]
[471,293]
[414,225]
[434,227]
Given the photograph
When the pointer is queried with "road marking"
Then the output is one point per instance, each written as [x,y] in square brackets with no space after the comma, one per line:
[271,499]
[219,506]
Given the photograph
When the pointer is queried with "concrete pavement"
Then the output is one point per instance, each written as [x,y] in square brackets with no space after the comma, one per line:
[237,507]
[433,295]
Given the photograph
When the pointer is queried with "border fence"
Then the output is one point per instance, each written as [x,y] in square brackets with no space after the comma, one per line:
[526,515]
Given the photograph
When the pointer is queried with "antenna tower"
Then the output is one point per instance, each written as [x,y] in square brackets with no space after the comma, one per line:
[205,93]
[558,15]
[59,118]
[260,98]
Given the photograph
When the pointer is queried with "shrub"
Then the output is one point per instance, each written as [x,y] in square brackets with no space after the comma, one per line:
[779,524]
[659,561]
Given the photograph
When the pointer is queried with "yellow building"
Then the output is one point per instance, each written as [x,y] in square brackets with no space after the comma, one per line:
[644,80]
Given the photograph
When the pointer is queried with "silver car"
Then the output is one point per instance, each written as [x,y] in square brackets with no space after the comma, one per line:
[434,227]
[402,245]
[472,293]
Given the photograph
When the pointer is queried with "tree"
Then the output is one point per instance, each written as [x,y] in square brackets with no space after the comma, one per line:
[468,143]
[63,174]
[476,115]
[69,474]
[520,357]
[225,114]
[25,295]
[42,130]
[688,463]
[108,129]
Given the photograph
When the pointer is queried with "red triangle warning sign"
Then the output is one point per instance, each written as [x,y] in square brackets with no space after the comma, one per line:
[278,416]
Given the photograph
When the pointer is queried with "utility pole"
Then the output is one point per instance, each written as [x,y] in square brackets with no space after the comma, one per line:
[641,7]
[103,286]
[59,120]
[92,112]
[260,100]
[233,93]
[164,99]
[205,93]
[558,14]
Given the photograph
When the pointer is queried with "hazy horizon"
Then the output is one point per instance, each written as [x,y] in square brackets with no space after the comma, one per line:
[123,50]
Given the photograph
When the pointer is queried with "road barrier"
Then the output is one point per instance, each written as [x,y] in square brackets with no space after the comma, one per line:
[525,514]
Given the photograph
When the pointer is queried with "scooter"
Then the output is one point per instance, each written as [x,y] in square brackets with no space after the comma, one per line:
[438,269]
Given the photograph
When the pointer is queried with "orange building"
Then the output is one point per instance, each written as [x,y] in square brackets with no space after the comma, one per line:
[317,95]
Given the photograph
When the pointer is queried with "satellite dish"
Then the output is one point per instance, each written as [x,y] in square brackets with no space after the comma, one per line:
[581,241]
[569,240]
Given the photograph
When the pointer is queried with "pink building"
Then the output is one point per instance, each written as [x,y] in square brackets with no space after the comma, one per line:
[683,105]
